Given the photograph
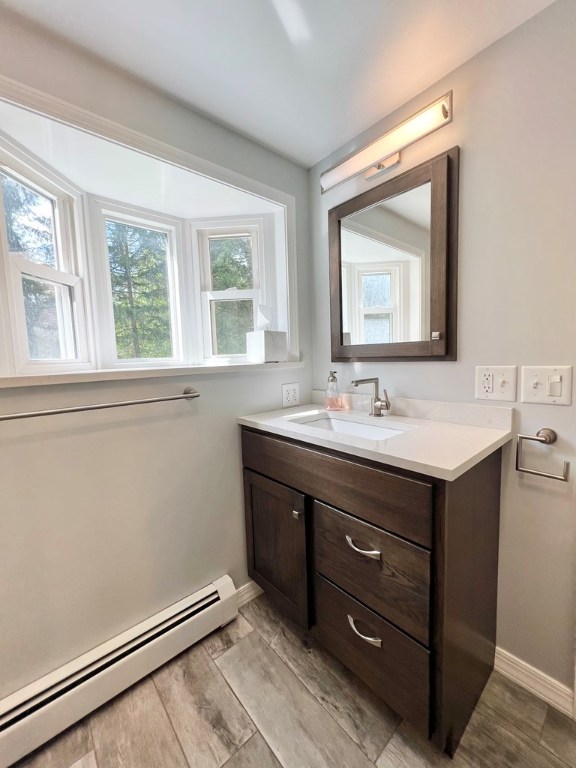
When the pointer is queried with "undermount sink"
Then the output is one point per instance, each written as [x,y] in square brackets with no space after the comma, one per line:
[354,426]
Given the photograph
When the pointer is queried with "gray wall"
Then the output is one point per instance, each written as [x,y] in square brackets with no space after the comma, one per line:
[515,120]
[108,517]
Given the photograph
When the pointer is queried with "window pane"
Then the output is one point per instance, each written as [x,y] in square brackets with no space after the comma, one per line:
[231,320]
[48,309]
[139,271]
[231,262]
[29,222]
[377,329]
[376,290]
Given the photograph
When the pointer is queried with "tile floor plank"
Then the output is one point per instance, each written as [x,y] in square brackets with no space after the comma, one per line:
[408,749]
[559,736]
[298,729]
[66,749]
[89,761]
[517,705]
[133,731]
[492,741]
[254,754]
[209,721]
[227,636]
[359,712]
[265,619]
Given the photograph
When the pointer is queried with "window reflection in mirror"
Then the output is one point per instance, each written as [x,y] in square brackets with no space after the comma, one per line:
[385,266]
[393,266]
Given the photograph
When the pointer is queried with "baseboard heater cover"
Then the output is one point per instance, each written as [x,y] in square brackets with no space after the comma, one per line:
[35,714]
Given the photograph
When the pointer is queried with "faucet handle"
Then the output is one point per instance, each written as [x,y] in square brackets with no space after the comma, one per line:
[385,400]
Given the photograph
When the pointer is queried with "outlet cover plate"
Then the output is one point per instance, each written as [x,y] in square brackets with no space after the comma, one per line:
[550,384]
[290,395]
[495,382]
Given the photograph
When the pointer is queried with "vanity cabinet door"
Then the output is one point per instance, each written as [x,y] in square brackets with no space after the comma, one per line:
[276,542]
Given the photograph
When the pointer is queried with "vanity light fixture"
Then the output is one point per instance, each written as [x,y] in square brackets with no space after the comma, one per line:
[385,151]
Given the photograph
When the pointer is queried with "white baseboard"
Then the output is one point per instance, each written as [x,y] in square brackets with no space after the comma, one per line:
[546,688]
[247,592]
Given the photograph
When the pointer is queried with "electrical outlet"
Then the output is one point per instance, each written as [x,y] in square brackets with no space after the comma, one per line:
[290,395]
[487,382]
[496,382]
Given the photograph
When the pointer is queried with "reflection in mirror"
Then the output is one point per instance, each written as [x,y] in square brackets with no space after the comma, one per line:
[386,270]
[393,259]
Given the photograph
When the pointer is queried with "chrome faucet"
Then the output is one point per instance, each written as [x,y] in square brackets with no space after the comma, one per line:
[377,403]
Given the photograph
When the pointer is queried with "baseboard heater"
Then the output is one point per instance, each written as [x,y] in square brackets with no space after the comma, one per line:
[33,715]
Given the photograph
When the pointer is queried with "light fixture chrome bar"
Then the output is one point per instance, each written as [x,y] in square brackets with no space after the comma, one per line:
[189,394]
[429,119]
[383,165]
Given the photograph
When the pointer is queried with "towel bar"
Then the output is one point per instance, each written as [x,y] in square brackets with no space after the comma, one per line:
[546,436]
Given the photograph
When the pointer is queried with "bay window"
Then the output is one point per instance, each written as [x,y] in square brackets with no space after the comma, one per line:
[93,283]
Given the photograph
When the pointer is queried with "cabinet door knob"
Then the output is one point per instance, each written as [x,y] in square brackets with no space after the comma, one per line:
[372,640]
[373,553]
[296,514]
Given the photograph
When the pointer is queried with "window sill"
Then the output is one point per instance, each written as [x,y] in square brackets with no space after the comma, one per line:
[82,377]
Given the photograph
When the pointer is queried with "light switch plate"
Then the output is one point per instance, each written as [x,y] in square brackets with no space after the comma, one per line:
[495,382]
[550,384]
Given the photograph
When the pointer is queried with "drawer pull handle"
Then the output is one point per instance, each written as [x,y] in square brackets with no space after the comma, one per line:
[296,514]
[372,640]
[373,553]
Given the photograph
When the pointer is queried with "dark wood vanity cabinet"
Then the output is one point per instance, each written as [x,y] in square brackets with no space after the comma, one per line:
[276,540]
[395,572]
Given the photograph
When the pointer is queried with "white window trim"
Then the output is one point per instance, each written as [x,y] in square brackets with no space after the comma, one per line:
[357,312]
[265,291]
[404,291]
[68,221]
[100,210]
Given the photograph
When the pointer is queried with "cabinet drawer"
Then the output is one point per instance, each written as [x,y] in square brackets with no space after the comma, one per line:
[394,580]
[398,504]
[397,669]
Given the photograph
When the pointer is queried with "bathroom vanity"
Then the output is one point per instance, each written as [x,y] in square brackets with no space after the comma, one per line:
[386,546]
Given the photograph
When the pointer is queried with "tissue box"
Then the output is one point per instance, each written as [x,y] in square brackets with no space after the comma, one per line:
[266,346]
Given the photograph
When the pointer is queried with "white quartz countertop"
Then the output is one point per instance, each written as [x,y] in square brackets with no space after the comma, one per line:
[442,449]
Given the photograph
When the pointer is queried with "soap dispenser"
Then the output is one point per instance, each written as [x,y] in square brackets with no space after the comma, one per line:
[332,400]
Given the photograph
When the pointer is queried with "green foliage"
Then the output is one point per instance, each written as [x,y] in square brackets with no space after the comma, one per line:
[138,268]
[231,262]
[29,222]
[231,267]
[41,319]
[233,319]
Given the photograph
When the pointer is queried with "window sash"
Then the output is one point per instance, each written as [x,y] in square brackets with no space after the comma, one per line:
[208,325]
[72,327]
[356,312]
[106,210]
[202,234]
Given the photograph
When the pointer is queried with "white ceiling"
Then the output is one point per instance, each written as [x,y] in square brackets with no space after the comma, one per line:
[300,76]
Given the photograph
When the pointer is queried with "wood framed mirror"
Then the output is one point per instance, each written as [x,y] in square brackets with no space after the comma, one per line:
[393,264]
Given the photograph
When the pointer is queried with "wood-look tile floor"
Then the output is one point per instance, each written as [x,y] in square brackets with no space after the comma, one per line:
[260,694]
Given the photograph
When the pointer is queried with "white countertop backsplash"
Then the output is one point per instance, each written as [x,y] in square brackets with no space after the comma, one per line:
[496,416]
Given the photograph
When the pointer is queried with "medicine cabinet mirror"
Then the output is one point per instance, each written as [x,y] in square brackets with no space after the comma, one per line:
[393,258]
